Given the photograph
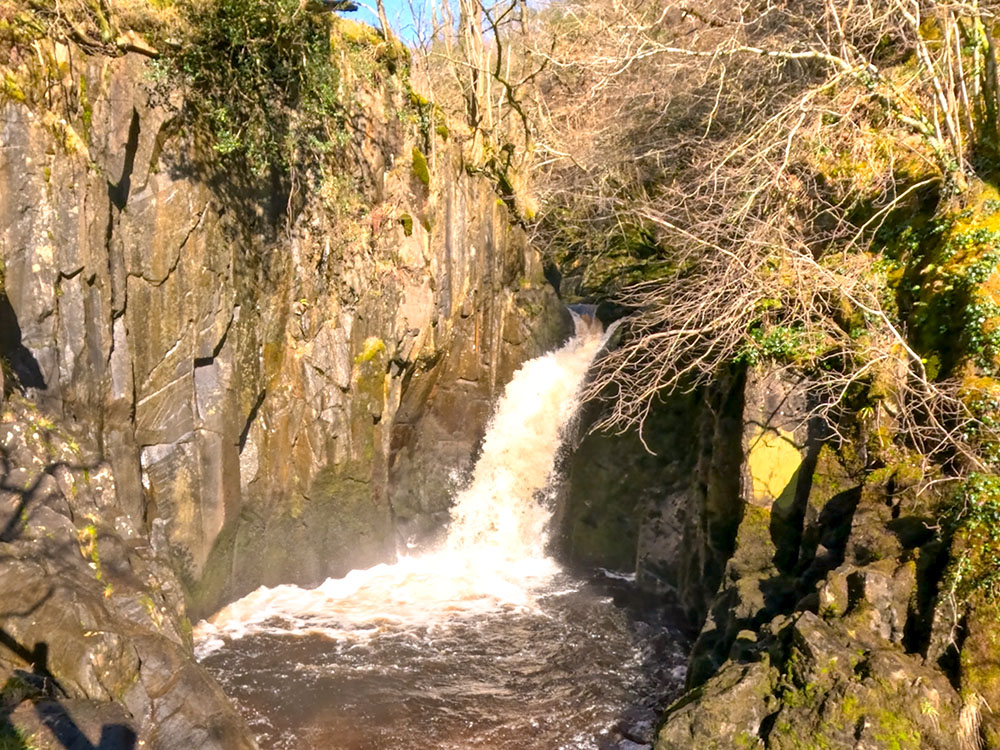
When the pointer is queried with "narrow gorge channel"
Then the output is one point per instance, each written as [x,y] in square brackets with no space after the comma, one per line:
[483,641]
[294,444]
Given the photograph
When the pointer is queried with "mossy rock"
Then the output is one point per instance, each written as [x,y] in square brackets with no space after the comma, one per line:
[810,685]
[949,289]
[724,713]
[755,547]
[979,665]
[421,170]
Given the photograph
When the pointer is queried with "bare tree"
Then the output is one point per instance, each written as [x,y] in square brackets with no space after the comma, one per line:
[763,146]
[479,72]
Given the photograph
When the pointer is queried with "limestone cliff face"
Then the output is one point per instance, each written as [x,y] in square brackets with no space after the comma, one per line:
[271,373]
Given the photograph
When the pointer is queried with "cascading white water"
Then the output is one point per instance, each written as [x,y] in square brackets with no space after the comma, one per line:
[494,554]
[503,511]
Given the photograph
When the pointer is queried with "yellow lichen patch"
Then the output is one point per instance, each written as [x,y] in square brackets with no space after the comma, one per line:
[357,32]
[10,88]
[68,138]
[981,195]
[978,386]
[372,348]
[773,462]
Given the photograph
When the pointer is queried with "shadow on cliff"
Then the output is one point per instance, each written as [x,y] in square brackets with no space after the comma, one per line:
[27,495]
[41,688]
[37,685]
[23,364]
[257,204]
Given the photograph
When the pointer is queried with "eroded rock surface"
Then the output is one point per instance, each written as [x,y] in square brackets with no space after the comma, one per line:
[95,638]
[279,380]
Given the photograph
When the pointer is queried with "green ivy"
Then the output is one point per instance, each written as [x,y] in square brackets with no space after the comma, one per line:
[777,343]
[263,78]
[941,290]
[973,522]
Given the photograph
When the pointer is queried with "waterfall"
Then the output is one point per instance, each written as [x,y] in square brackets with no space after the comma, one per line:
[494,554]
[503,509]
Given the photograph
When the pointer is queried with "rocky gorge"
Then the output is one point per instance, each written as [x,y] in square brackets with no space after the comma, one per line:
[252,401]
[217,377]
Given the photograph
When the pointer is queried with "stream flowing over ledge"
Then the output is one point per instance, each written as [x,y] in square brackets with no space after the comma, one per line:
[220,375]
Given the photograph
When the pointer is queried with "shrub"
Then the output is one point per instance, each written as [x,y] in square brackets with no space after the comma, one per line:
[263,76]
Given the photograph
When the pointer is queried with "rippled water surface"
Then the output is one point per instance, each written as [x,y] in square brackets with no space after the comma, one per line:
[573,671]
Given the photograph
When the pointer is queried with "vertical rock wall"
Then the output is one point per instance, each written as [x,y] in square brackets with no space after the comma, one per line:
[664,503]
[271,393]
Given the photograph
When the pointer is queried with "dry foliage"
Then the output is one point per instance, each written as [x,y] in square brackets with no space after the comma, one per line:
[762,146]
[474,63]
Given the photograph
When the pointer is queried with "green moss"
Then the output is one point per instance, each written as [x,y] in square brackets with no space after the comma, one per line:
[420,169]
[746,741]
[769,342]
[12,738]
[979,672]
[290,111]
[896,732]
[950,288]
[755,547]
[10,88]
[357,33]
[981,396]
[973,522]
[407,222]
[86,108]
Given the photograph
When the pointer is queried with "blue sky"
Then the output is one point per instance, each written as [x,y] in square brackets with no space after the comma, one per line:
[400,14]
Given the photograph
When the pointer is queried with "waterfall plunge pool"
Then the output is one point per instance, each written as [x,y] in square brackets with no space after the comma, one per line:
[576,670]
[482,643]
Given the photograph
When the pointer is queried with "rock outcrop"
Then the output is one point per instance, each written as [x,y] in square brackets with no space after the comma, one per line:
[812,568]
[821,631]
[271,378]
[94,640]
[271,389]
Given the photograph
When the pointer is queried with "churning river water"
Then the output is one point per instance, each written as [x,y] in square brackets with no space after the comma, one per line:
[484,642]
